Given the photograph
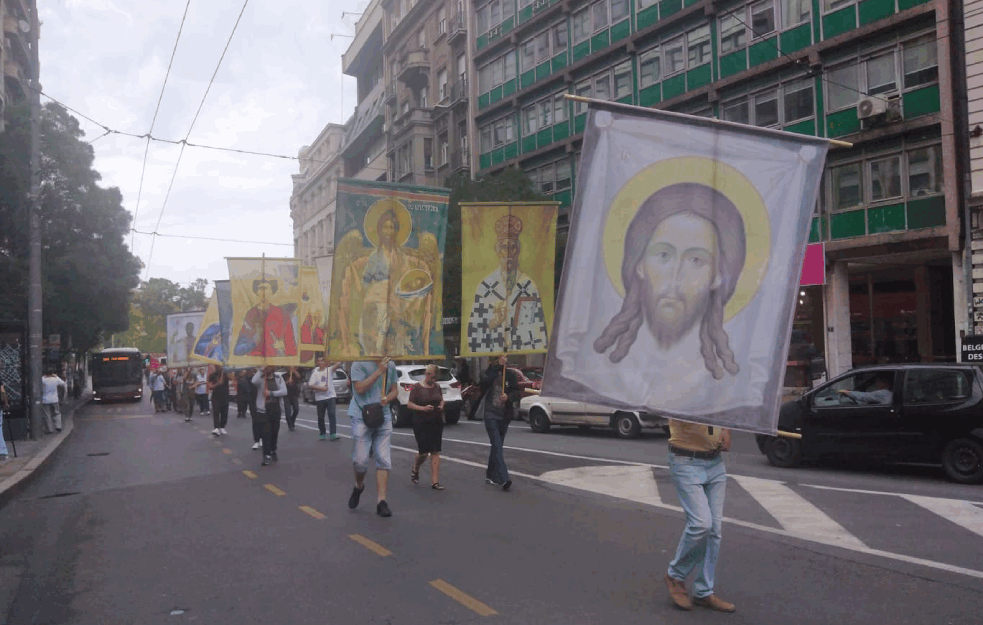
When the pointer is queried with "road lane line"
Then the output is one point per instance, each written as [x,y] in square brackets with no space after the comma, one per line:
[273,489]
[226,450]
[962,513]
[463,598]
[796,514]
[236,461]
[880,492]
[370,545]
[311,511]
[250,474]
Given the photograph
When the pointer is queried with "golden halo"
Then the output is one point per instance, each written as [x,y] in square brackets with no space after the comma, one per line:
[375,211]
[708,172]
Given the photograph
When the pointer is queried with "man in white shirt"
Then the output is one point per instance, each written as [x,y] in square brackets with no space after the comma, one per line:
[51,384]
[157,387]
[201,393]
[322,383]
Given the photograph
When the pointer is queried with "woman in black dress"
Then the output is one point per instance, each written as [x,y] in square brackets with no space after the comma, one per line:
[427,403]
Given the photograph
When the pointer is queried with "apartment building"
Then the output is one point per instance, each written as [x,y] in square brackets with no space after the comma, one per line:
[876,73]
[312,202]
[16,52]
[973,135]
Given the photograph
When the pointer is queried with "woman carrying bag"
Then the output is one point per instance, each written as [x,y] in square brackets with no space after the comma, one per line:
[427,403]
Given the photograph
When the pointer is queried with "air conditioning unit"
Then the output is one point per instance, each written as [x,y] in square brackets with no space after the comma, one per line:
[869,108]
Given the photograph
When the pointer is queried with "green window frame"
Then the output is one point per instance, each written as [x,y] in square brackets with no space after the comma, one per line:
[791,102]
[491,16]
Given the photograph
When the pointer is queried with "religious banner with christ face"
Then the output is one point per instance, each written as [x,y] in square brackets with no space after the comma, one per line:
[182,332]
[682,266]
[265,311]
[507,263]
[386,287]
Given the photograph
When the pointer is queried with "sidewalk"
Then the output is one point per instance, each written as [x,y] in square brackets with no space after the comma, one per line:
[15,473]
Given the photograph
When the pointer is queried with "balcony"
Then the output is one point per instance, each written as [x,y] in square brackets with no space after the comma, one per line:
[460,159]
[459,93]
[413,67]
[405,120]
[457,29]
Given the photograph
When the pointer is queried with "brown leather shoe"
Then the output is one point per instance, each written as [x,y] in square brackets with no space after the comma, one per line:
[714,603]
[678,594]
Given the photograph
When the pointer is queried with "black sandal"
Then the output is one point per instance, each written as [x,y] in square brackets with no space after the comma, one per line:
[415,477]
[437,486]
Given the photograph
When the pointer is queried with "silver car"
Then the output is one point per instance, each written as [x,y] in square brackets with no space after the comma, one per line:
[543,411]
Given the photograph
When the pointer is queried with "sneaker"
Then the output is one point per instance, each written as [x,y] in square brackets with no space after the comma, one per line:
[382,509]
[266,461]
[322,437]
[216,432]
[257,445]
[187,418]
[356,495]
[335,437]
[507,485]
[224,431]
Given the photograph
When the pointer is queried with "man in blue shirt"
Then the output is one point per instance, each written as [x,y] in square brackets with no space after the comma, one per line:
[369,378]
[881,395]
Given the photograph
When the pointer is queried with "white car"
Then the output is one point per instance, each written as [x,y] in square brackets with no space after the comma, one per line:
[409,375]
[543,411]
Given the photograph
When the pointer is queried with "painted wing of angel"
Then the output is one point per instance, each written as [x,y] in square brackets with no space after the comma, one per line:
[351,258]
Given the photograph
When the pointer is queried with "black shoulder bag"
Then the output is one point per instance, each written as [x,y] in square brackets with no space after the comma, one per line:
[372,415]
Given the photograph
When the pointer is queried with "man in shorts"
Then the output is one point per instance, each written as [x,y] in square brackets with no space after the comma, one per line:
[369,379]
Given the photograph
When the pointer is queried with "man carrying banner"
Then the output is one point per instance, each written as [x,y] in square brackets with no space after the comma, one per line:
[498,405]
[700,478]
[368,378]
[269,389]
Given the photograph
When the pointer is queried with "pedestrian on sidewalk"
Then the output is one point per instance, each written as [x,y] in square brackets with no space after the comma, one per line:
[172,384]
[201,393]
[218,385]
[698,473]
[50,400]
[242,394]
[322,383]
[165,395]
[157,390]
[269,389]
[190,386]
[427,403]
[4,407]
[368,378]
[291,404]
[498,408]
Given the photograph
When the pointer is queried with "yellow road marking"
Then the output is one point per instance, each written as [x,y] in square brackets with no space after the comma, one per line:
[463,598]
[226,450]
[250,474]
[370,545]
[311,511]
[236,461]
[273,489]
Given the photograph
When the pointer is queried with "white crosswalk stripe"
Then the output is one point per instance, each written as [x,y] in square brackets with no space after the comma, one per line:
[633,483]
[796,514]
[962,513]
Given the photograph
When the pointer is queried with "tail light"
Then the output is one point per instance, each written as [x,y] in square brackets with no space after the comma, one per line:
[406,386]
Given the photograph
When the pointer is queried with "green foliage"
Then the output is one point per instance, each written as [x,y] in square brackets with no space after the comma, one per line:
[160,297]
[87,270]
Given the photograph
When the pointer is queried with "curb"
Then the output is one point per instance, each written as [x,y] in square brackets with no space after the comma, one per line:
[15,484]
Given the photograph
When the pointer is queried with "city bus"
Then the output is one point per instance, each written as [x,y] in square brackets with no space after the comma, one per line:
[117,373]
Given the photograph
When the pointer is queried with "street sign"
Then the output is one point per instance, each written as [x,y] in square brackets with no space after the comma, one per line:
[972,349]
[54,340]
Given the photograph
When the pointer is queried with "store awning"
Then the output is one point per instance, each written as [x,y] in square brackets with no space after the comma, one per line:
[814,265]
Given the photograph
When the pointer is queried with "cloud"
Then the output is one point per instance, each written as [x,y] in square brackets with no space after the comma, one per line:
[277,88]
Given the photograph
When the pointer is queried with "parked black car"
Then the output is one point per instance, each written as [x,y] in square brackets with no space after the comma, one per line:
[889,413]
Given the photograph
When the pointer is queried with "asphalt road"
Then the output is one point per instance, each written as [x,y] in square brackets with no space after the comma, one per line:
[144,518]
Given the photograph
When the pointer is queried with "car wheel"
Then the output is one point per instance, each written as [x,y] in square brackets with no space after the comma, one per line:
[626,425]
[452,418]
[962,460]
[538,421]
[466,409]
[784,452]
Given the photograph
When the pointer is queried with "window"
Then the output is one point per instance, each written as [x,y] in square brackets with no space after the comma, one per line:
[421,38]
[675,59]
[600,11]
[733,34]
[462,70]
[406,107]
[866,382]
[441,21]
[795,12]
[766,109]
[552,177]
[644,4]
[847,186]
[583,90]
[698,43]
[799,101]
[925,171]
[832,5]
[424,97]
[495,134]
[428,154]
[563,177]
[559,37]
[496,73]
[619,10]
[623,81]
[885,178]
[842,86]
[581,25]
[491,15]
[738,112]
[527,52]
[559,109]
[530,120]
[649,68]
[880,74]
[762,18]
[927,386]
[602,86]
[920,62]
[442,84]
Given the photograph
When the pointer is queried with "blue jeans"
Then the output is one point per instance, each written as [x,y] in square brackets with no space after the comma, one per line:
[700,485]
[376,440]
[497,471]
[327,405]
[3,443]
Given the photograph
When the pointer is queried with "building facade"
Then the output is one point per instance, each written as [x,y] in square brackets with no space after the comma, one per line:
[876,73]
[973,102]
[312,203]
[16,53]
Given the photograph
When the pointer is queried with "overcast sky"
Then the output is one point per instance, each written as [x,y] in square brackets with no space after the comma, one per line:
[278,86]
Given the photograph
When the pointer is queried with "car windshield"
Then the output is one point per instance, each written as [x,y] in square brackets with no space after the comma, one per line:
[535,375]
[443,374]
[340,375]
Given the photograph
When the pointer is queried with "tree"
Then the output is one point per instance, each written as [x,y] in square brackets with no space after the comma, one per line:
[509,185]
[192,298]
[87,270]
[158,297]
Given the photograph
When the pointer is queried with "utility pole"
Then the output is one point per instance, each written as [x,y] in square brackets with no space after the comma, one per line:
[34,316]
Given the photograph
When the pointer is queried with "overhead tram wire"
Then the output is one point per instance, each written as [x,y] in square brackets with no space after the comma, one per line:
[160,98]
[200,238]
[184,142]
